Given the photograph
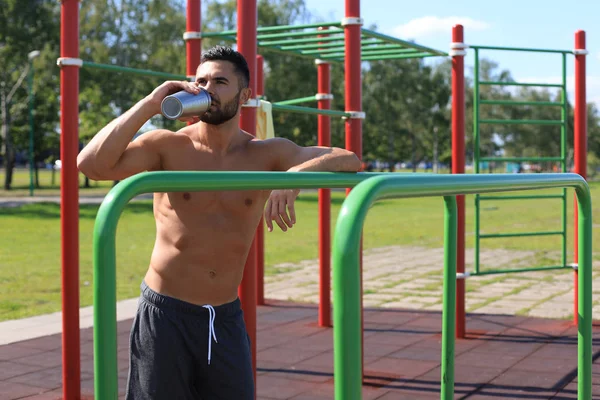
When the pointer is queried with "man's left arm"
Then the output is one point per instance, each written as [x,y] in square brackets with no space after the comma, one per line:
[290,157]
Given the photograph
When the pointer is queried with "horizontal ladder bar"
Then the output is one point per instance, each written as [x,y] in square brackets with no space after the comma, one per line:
[532,269]
[340,46]
[276,49]
[396,48]
[520,103]
[534,50]
[300,26]
[499,83]
[300,41]
[273,29]
[522,197]
[392,39]
[398,57]
[521,159]
[412,52]
[324,33]
[520,234]
[521,122]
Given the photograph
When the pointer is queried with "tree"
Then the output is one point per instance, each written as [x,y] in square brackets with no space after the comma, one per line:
[26,26]
[405,102]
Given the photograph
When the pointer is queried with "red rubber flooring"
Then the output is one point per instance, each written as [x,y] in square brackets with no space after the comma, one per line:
[503,357]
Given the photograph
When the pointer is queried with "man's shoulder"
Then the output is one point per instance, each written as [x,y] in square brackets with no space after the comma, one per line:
[163,136]
[273,143]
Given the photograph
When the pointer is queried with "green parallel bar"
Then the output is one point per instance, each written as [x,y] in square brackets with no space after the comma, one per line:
[146,72]
[296,101]
[449,297]
[346,282]
[273,29]
[104,257]
[521,49]
[538,196]
[300,41]
[521,159]
[520,234]
[554,85]
[368,48]
[325,32]
[346,261]
[521,122]
[391,39]
[518,270]
[347,313]
[365,43]
[521,103]
[476,156]
[309,110]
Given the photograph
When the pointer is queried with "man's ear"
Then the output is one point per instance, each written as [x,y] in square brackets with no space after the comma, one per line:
[246,95]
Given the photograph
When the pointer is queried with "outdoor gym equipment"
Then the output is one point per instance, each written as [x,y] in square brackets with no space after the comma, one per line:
[580,150]
[347,327]
[344,42]
[348,44]
[105,318]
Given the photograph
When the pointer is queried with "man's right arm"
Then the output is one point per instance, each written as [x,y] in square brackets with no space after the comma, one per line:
[112,155]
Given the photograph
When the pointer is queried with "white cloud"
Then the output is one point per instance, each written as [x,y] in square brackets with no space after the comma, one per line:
[430,25]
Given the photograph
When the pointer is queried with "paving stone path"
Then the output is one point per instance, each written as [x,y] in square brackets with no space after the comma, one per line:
[411,277]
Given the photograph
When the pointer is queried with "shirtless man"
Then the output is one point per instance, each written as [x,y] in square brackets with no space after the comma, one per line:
[189,293]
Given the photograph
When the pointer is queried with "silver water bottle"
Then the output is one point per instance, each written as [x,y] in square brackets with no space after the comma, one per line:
[184,104]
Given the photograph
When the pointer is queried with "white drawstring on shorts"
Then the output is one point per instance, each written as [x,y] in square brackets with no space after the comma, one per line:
[211,328]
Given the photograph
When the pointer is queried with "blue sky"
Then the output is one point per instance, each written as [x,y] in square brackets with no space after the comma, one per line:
[509,23]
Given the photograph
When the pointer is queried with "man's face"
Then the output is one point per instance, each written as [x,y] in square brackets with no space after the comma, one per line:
[222,83]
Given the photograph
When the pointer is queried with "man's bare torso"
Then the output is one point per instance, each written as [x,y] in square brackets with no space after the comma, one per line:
[203,238]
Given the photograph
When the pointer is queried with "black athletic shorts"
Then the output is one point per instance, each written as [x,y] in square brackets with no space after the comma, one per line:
[185,351]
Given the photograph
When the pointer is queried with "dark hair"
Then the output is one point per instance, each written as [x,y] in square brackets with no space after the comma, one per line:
[224,53]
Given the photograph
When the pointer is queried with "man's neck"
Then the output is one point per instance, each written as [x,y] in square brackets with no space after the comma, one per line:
[219,138]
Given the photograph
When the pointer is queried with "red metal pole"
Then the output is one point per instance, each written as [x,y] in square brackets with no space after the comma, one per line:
[247,20]
[69,193]
[324,139]
[580,140]
[458,165]
[353,100]
[193,44]
[260,230]
[353,80]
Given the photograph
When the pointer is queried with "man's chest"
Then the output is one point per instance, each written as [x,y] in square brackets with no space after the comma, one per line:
[239,203]
[191,159]
[242,204]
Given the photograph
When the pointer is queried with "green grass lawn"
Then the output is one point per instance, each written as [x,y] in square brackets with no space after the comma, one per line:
[49,184]
[30,249]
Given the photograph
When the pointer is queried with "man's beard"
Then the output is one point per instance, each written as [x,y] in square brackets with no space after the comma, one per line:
[224,113]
